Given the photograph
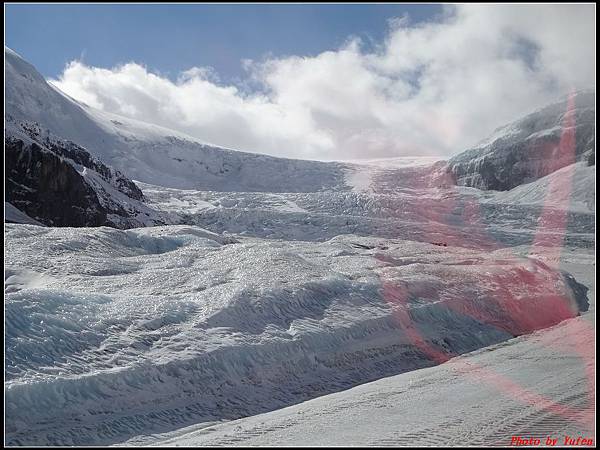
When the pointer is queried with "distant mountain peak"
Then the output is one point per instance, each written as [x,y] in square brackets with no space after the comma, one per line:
[526,149]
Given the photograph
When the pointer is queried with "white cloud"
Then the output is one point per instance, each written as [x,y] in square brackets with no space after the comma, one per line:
[429,89]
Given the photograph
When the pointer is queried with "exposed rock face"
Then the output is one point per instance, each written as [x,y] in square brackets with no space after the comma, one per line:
[44,186]
[81,156]
[58,183]
[529,148]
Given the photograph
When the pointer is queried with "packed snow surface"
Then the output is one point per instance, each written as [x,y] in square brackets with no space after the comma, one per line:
[534,386]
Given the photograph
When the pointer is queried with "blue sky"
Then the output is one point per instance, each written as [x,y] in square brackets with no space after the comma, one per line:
[172,38]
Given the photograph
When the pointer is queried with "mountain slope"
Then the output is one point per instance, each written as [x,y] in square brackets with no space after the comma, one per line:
[153,154]
[14,215]
[572,187]
[60,184]
[546,140]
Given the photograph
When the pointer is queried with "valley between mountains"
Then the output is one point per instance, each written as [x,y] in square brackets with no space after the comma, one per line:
[163,290]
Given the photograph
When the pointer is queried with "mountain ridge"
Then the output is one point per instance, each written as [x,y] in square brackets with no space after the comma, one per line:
[154,154]
[157,156]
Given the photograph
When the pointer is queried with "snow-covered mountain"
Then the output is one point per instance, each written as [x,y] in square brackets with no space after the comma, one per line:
[544,141]
[153,154]
[516,154]
[571,187]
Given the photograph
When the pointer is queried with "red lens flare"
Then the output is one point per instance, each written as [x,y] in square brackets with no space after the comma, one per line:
[458,221]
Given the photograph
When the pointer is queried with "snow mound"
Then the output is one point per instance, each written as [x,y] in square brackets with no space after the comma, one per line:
[572,187]
[14,215]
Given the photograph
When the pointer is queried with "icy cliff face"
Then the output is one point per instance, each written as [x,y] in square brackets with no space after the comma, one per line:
[530,148]
[114,333]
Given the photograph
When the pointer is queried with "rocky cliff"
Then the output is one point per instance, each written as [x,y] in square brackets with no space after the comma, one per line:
[58,183]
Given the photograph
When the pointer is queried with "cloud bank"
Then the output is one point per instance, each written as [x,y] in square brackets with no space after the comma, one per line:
[432,88]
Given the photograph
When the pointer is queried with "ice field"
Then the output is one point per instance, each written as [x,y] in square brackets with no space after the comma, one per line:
[113,335]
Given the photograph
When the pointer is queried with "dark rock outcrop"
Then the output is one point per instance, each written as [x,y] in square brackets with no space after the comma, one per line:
[58,183]
[81,156]
[49,189]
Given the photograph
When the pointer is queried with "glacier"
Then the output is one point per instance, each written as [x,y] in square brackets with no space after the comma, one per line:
[113,333]
[241,284]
